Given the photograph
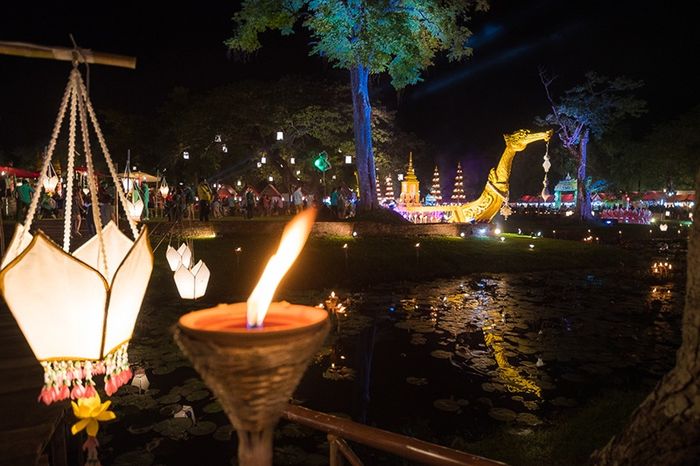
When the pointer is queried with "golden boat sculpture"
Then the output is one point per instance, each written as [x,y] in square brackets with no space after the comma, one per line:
[495,192]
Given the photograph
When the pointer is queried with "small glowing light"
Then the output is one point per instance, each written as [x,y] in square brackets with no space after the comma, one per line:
[217,138]
[679,232]
[348,159]
[400,176]
[270,179]
[292,160]
[333,177]
[259,164]
[280,136]
[345,246]
[653,220]
[502,239]
[649,231]
[239,249]
[539,234]
[186,155]
[497,231]
[461,234]
[481,231]
[569,213]
[354,234]
[663,227]
[619,232]
[554,232]
[239,183]
[520,232]
[668,213]
[298,172]
[224,149]
[263,159]
[532,246]
[417,245]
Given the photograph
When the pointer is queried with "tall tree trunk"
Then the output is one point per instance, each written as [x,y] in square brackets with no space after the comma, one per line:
[583,197]
[665,428]
[362,120]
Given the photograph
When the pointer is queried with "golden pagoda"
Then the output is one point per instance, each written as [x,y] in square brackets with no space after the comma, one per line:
[410,187]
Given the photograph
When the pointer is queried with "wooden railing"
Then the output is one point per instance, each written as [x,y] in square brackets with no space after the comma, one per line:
[339,430]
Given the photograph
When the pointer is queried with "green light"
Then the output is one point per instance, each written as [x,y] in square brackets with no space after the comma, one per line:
[321,162]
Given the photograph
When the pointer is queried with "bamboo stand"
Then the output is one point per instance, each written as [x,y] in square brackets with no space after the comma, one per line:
[252,372]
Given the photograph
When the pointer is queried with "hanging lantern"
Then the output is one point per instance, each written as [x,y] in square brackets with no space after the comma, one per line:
[50,180]
[134,209]
[192,283]
[179,256]
[77,309]
[164,188]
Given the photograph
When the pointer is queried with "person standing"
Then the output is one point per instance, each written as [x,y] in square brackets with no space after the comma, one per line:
[205,195]
[146,198]
[24,198]
[298,199]
[249,203]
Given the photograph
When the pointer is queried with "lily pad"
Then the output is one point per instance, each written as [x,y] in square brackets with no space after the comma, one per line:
[213,407]
[202,428]
[502,414]
[446,404]
[169,399]
[223,433]
[417,380]
[528,419]
[197,395]
[169,410]
[174,428]
[441,354]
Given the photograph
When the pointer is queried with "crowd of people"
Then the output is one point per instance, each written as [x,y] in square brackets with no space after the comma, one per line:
[627,215]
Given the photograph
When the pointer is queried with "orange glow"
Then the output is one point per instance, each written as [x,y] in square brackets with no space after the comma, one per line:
[293,239]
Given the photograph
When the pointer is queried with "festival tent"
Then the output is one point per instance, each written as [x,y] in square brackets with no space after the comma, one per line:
[18,172]
[226,191]
[271,192]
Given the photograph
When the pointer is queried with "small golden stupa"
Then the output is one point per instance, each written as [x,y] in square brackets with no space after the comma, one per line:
[410,186]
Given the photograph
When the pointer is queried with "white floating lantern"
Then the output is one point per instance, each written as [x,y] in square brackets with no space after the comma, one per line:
[179,256]
[50,180]
[192,283]
[140,380]
[663,226]
[280,135]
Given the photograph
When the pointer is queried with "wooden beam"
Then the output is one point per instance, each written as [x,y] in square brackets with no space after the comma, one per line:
[22,49]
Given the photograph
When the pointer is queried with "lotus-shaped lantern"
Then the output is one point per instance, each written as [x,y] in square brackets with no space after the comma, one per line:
[180,256]
[134,209]
[77,310]
[192,283]
[164,188]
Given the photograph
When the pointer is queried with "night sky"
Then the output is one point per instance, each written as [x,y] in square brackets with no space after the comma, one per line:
[461,109]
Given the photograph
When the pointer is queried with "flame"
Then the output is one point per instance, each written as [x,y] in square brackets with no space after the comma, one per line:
[293,239]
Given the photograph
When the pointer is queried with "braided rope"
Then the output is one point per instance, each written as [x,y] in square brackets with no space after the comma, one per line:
[108,159]
[91,174]
[47,159]
[68,215]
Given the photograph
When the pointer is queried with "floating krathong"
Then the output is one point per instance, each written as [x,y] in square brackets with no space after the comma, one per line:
[77,309]
[180,256]
[192,282]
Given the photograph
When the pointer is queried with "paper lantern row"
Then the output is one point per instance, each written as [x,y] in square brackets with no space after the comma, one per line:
[191,281]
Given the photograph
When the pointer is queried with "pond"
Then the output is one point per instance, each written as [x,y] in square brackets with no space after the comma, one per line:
[434,360]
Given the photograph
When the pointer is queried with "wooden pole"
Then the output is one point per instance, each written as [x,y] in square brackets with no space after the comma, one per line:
[22,49]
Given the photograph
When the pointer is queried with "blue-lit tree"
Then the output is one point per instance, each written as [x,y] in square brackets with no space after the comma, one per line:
[589,109]
[365,37]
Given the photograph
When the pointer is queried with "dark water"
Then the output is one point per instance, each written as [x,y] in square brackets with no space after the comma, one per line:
[433,360]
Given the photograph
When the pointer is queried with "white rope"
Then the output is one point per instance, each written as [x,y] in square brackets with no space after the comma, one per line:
[70,174]
[91,174]
[110,165]
[45,163]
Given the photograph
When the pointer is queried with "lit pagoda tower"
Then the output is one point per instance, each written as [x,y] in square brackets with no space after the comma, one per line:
[410,187]
[435,190]
[458,190]
[388,189]
[379,188]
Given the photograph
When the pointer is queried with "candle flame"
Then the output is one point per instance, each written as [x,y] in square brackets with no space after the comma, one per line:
[293,239]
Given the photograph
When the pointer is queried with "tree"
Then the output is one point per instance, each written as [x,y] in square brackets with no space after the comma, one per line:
[665,428]
[366,38]
[589,109]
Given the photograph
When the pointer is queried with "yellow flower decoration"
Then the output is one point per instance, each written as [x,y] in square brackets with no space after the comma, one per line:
[91,411]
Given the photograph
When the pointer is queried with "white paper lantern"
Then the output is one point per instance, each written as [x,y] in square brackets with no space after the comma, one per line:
[134,209]
[179,256]
[164,188]
[186,411]
[76,318]
[192,283]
